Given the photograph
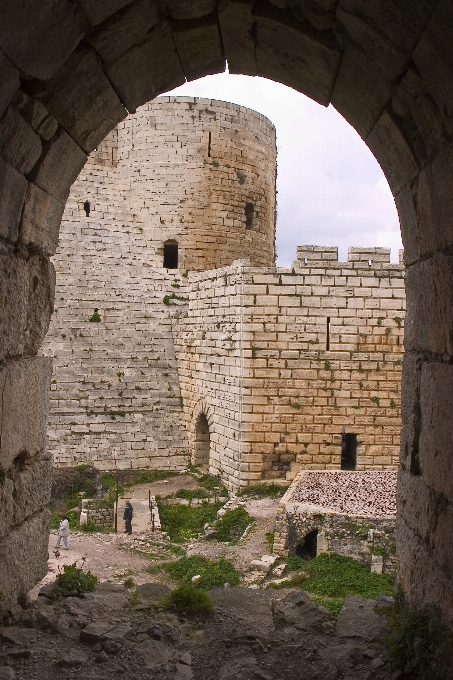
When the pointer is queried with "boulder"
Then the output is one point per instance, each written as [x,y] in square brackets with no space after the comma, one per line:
[73,659]
[358,619]
[298,610]
[153,653]
[252,609]
[7,673]
[152,593]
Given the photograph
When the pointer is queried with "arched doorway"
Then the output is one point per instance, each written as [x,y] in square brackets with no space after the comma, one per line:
[202,444]
[389,73]
[307,548]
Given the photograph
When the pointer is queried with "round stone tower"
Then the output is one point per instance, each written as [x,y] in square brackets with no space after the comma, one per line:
[183,184]
[199,176]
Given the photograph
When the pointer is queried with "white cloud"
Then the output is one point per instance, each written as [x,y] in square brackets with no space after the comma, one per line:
[331,190]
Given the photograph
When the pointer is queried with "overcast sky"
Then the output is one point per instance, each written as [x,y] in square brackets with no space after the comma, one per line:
[331,190]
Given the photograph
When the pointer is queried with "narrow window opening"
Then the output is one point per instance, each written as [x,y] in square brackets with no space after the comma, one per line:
[202,441]
[369,263]
[249,215]
[348,451]
[328,334]
[209,146]
[307,548]
[171,255]
[87,208]
[305,260]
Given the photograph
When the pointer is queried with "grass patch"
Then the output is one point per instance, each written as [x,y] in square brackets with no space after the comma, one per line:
[189,494]
[294,563]
[73,518]
[264,491]
[190,601]
[338,577]
[232,524]
[418,643]
[214,573]
[333,604]
[182,522]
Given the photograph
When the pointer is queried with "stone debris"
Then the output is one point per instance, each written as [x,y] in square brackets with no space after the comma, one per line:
[265,563]
[367,493]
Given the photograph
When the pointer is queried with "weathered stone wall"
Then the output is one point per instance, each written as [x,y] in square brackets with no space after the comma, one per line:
[278,386]
[186,170]
[97,515]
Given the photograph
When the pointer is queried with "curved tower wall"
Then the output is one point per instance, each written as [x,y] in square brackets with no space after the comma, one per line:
[115,395]
[201,172]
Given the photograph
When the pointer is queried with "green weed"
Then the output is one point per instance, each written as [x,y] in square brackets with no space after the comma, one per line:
[270,535]
[331,575]
[95,317]
[213,483]
[418,643]
[214,573]
[73,582]
[264,490]
[182,522]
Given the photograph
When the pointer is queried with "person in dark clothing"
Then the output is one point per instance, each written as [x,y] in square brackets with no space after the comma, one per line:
[128,510]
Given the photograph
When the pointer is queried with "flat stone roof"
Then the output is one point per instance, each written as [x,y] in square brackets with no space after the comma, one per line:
[363,493]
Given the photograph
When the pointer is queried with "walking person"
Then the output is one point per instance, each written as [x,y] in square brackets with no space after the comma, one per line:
[128,511]
[63,533]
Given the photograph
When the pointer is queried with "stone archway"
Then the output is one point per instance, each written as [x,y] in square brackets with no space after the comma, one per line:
[72,70]
[202,443]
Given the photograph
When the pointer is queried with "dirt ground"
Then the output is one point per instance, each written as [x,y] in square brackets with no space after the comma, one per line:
[110,558]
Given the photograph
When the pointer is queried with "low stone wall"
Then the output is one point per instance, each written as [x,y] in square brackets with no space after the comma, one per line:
[362,535]
[97,515]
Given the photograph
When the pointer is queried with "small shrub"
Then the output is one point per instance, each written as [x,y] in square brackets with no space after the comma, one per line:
[73,582]
[129,582]
[214,573]
[190,601]
[418,643]
[232,524]
[95,317]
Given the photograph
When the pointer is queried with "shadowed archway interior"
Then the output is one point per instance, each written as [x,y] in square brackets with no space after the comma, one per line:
[70,71]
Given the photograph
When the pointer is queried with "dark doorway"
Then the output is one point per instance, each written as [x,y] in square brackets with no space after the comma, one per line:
[348,451]
[202,441]
[171,255]
[307,549]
